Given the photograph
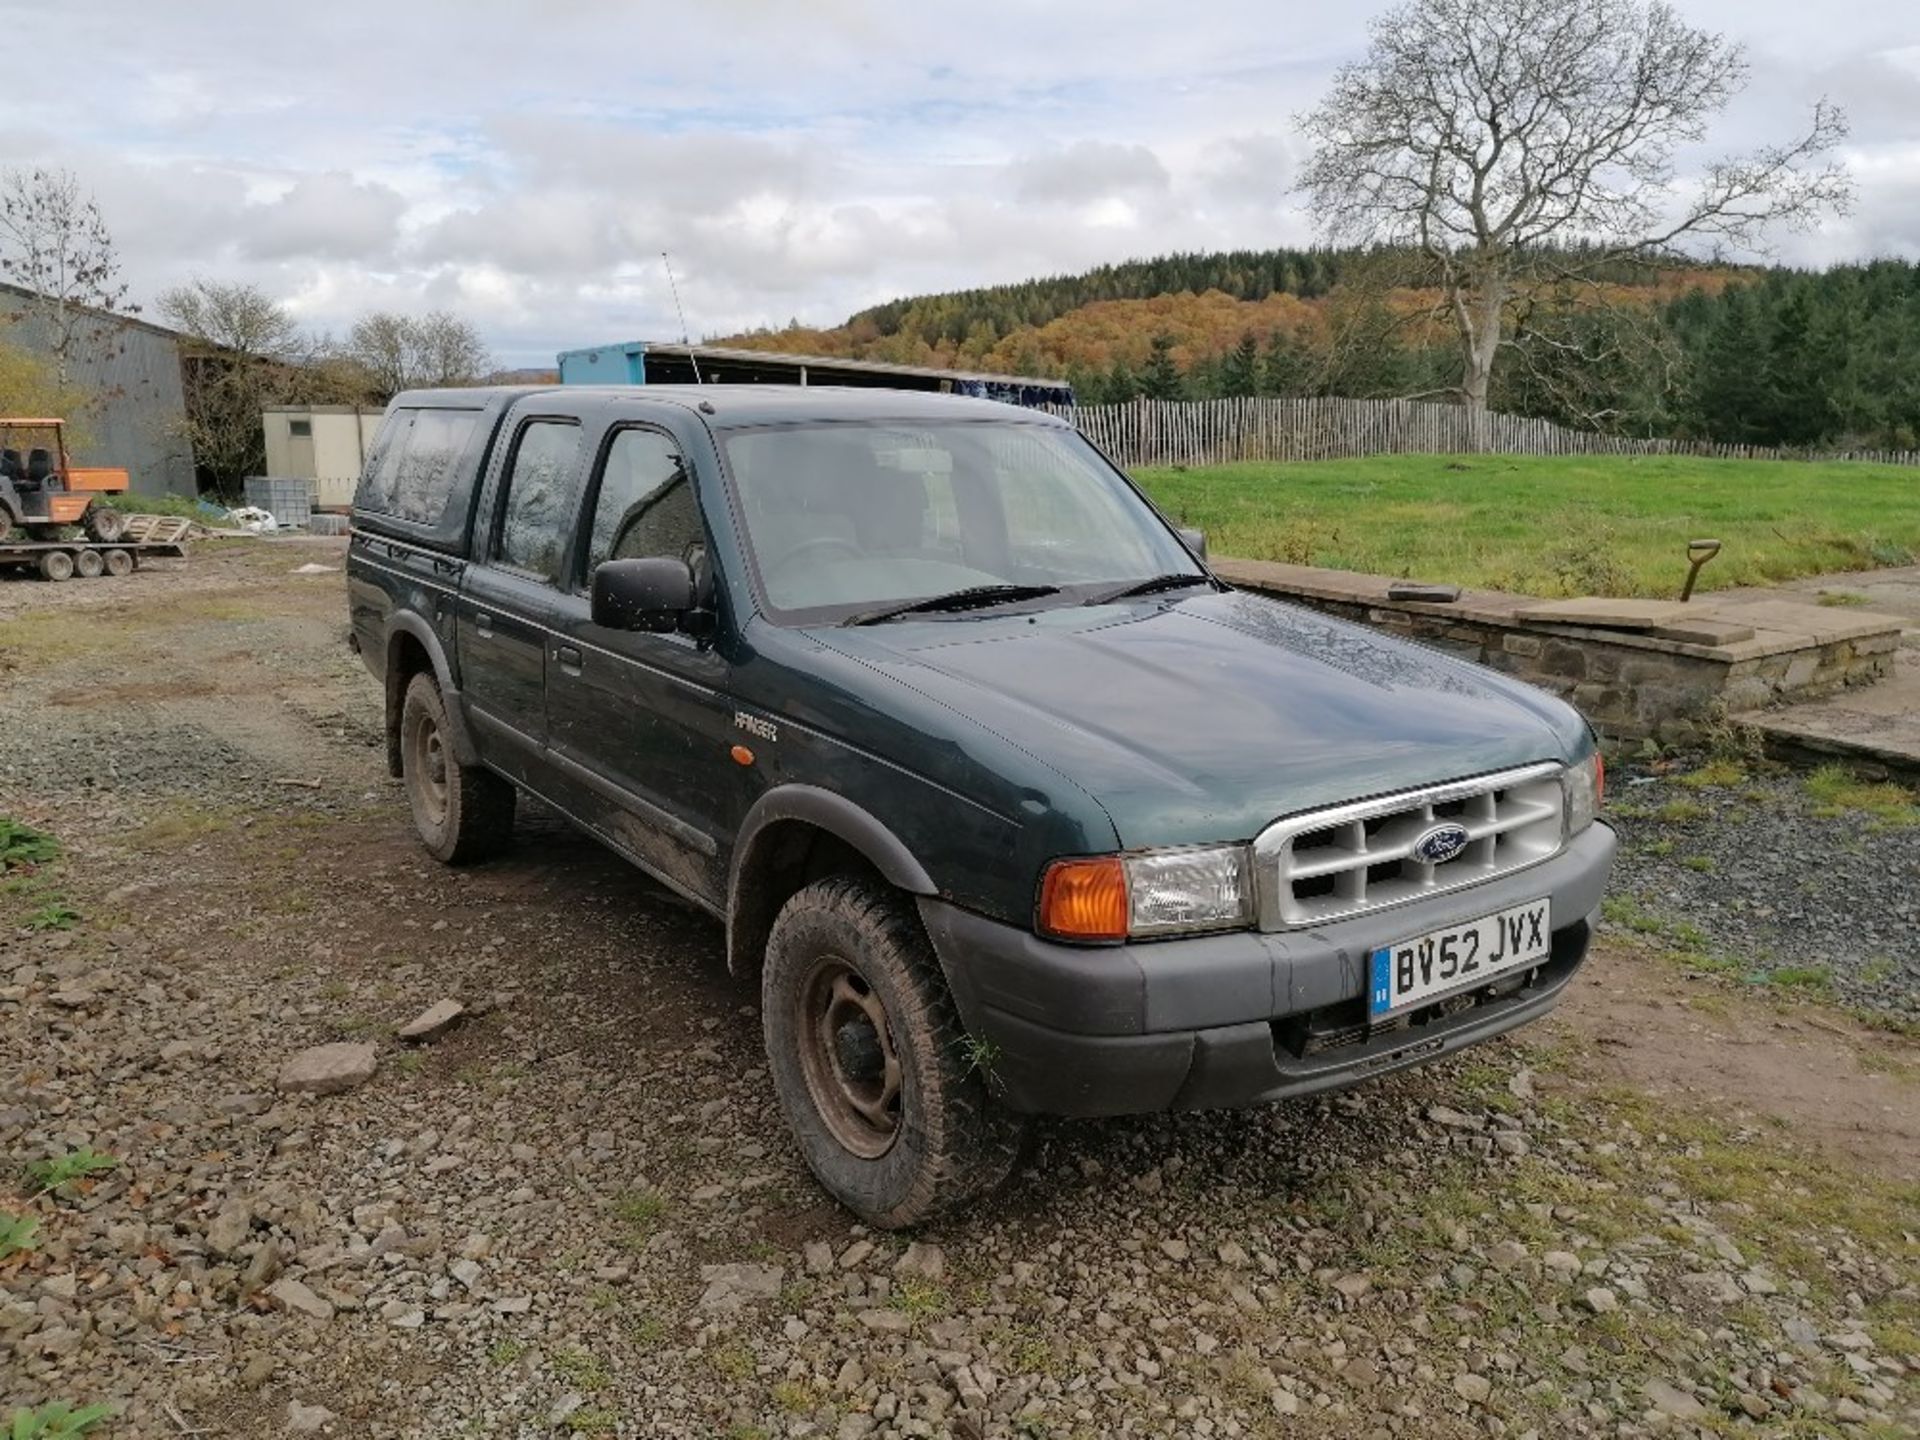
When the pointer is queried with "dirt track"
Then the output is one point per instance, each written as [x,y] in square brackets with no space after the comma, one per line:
[1675,1205]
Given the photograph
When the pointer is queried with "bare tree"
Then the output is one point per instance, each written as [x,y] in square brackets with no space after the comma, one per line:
[1524,145]
[237,317]
[400,352]
[54,244]
[245,353]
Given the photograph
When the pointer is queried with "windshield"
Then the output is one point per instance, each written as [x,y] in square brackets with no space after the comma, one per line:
[846,518]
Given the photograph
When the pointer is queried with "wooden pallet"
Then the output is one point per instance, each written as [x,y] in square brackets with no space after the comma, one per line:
[156,530]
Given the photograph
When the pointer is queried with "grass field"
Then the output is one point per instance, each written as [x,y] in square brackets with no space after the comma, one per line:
[1562,525]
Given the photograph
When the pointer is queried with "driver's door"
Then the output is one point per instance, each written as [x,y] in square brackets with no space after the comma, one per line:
[641,724]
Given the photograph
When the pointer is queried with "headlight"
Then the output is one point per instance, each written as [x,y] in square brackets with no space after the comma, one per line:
[1582,786]
[1115,897]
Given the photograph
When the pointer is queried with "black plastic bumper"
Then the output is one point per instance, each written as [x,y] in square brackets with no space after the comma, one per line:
[1237,1019]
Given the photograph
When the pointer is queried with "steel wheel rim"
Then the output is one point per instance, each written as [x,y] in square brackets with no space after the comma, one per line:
[848,1056]
[427,767]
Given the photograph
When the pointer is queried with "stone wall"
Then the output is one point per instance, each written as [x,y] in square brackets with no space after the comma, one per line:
[1629,685]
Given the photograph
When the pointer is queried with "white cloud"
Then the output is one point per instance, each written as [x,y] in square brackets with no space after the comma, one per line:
[797,160]
[330,216]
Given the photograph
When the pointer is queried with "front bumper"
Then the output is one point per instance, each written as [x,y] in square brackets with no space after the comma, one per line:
[1236,1019]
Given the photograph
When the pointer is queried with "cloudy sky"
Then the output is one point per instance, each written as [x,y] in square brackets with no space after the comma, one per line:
[797,159]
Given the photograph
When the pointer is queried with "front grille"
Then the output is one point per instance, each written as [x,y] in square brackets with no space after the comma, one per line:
[1353,859]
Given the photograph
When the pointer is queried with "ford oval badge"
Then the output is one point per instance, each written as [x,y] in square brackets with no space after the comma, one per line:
[1441,844]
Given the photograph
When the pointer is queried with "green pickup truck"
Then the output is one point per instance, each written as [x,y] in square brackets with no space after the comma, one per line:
[1013,807]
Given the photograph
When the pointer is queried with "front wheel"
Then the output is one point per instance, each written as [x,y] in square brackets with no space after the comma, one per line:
[104,523]
[463,812]
[877,1078]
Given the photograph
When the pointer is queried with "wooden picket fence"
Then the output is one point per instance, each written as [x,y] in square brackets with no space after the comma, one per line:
[1211,432]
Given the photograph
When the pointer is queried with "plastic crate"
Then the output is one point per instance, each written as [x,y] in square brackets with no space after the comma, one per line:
[288,499]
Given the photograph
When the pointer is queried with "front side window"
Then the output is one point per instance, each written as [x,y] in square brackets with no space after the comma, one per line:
[543,495]
[841,518]
[646,505]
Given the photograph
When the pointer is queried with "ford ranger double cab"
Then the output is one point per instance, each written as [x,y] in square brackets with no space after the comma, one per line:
[1011,805]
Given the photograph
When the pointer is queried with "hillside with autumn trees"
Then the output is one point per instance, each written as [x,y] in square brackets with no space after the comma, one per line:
[1761,356]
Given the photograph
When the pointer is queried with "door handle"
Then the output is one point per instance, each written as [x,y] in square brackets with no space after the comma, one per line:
[569,658]
[483,625]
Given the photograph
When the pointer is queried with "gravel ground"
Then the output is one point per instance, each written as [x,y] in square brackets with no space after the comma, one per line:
[576,1212]
[1770,887]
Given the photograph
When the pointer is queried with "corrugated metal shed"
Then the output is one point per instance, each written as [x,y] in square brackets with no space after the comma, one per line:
[141,421]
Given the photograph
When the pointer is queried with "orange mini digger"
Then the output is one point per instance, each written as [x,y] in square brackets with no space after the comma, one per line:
[44,492]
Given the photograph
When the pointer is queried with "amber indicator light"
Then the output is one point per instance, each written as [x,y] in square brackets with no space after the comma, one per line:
[1085,899]
[741,755]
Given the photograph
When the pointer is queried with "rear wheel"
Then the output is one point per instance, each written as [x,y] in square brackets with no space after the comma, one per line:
[56,565]
[104,523]
[119,562]
[89,564]
[463,812]
[870,1062]
[6,525]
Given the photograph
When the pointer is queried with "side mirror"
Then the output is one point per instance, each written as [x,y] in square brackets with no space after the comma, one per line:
[655,595]
[1196,541]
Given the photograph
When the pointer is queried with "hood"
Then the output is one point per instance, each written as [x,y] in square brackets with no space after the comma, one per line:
[1206,718]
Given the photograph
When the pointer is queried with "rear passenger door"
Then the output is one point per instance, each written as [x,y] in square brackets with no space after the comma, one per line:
[508,603]
[639,723]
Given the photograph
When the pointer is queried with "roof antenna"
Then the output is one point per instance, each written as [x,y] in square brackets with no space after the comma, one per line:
[685,339]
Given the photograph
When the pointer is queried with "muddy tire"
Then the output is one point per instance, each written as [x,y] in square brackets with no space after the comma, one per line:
[6,525]
[56,565]
[119,562]
[462,812]
[870,1062]
[89,564]
[103,523]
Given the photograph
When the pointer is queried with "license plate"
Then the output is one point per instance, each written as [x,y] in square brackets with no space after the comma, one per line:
[1412,972]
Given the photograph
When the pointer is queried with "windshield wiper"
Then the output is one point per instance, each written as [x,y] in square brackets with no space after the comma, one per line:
[973,597]
[1152,585]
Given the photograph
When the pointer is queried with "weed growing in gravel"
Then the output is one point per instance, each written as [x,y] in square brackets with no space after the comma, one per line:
[981,1055]
[1715,774]
[1814,979]
[176,826]
[593,1422]
[918,1297]
[56,1421]
[504,1352]
[1680,812]
[732,1361]
[16,1234]
[64,1170]
[1699,864]
[54,915]
[796,1397]
[640,1211]
[1841,598]
[582,1369]
[21,845]
[1836,791]
[648,1330]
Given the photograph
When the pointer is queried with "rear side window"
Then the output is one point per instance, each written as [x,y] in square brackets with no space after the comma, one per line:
[377,485]
[434,447]
[543,495]
[646,505]
[414,463]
